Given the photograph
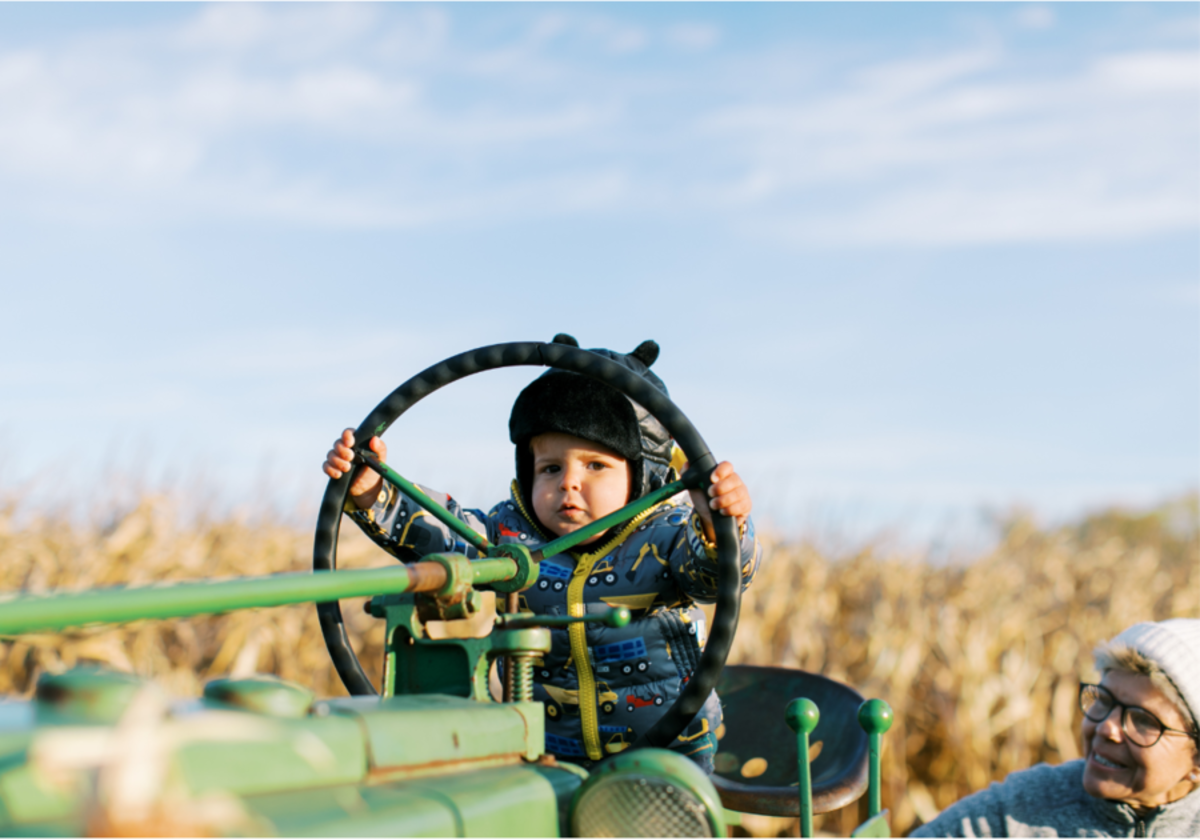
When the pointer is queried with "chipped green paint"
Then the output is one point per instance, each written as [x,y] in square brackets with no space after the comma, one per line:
[84,696]
[262,693]
[424,765]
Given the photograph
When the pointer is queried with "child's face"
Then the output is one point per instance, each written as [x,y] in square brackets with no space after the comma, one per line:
[576,482]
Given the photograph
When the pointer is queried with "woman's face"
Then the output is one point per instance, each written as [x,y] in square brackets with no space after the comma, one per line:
[1116,768]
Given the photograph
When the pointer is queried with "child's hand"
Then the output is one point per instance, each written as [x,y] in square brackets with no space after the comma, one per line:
[364,490]
[727,493]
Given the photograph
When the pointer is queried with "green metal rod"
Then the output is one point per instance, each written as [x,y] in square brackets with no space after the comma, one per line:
[569,541]
[875,717]
[492,569]
[802,717]
[422,498]
[58,610]
[875,800]
[615,617]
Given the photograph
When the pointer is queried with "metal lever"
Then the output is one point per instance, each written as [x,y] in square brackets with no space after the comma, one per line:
[615,617]
[802,717]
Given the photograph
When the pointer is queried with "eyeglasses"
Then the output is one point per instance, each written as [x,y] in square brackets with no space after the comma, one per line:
[1140,726]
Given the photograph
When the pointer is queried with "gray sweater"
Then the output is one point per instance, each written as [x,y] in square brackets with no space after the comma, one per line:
[1046,801]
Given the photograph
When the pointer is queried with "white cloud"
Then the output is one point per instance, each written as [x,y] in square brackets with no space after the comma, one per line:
[626,39]
[695,37]
[961,216]
[931,154]
[896,80]
[1036,17]
[290,33]
[347,116]
[1151,72]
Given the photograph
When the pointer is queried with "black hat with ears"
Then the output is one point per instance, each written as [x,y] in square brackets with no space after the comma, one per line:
[573,404]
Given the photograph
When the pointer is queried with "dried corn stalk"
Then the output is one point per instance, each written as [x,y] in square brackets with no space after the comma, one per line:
[980,662]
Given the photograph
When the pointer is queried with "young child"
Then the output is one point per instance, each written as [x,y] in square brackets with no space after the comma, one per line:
[584,450]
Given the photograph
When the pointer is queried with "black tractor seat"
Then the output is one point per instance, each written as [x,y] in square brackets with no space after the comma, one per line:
[756,766]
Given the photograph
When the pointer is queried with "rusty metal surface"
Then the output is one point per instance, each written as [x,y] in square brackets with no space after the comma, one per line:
[756,767]
[427,576]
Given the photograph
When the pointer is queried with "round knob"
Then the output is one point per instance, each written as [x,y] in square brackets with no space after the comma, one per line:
[617,617]
[875,716]
[802,715]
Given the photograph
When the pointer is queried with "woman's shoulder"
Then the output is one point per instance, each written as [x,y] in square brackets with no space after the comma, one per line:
[1028,803]
[1044,782]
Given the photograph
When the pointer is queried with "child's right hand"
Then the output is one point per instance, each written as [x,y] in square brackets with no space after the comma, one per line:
[364,490]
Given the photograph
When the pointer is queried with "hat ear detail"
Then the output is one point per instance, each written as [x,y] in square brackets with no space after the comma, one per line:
[563,338]
[646,352]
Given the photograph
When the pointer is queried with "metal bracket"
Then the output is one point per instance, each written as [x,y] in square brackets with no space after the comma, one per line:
[527,567]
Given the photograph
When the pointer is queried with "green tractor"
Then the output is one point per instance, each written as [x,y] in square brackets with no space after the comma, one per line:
[430,752]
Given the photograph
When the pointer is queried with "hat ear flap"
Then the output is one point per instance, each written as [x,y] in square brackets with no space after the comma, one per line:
[646,352]
[563,338]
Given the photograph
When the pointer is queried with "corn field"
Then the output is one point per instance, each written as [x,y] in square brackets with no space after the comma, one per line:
[980,661]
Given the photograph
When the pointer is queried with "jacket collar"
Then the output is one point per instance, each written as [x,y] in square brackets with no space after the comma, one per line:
[1183,812]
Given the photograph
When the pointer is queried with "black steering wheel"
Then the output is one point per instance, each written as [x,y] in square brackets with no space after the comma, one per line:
[575,360]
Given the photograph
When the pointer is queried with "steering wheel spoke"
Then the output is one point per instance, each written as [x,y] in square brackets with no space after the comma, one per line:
[422,498]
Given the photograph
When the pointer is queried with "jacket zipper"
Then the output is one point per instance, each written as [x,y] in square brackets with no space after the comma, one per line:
[515,490]
[588,714]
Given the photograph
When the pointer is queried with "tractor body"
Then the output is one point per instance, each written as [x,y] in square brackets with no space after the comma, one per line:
[429,752]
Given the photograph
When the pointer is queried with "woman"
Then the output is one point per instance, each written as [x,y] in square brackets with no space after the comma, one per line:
[1140,773]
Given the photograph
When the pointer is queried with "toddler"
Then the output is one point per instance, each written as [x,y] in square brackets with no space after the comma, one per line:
[584,450]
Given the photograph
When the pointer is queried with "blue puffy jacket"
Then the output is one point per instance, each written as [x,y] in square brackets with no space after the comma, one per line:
[602,686]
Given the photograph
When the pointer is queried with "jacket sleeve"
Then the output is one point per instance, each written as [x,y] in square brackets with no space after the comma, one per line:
[1042,801]
[401,527]
[693,559]
[979,815]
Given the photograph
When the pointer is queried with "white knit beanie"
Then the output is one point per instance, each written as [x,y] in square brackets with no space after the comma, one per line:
[1174,645]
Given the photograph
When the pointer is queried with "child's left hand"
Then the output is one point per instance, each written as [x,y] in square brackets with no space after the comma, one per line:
[727,493]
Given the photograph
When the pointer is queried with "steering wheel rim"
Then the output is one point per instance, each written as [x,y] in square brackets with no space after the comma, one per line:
[575,360]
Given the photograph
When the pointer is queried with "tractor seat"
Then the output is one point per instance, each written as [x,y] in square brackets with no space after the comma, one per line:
[756,771]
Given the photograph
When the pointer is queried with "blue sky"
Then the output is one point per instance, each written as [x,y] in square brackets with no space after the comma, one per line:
[905,261]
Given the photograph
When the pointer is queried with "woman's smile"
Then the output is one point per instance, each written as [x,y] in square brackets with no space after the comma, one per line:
[1108,763]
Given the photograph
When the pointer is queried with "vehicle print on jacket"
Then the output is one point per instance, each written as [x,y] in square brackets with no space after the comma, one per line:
[652,550]
[563,700]
[640,697]
[624,657]
[553,578]
[615,738]
[695,626]
[603,573]
[505,531]
[568,747]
